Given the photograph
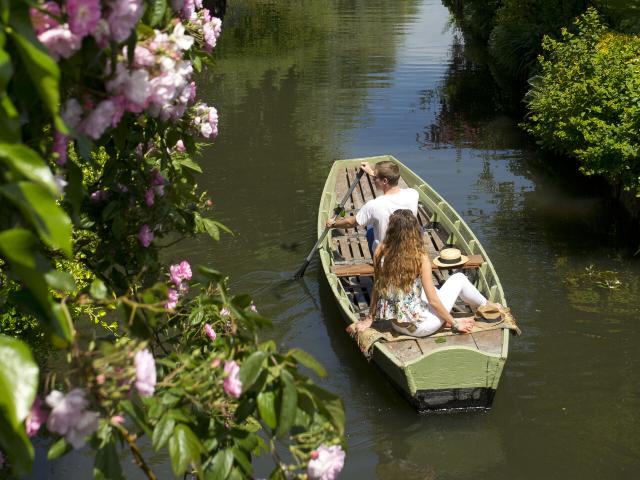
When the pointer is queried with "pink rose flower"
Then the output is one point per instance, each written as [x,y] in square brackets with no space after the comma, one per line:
[180,272]
[102,117]
[41,21]
[145,373]
[61,183]
[83,15]
[117,420]
[180,146]
[149,197]
[172,295]
[123,18]
[145,236]
[71,113]
[101,33]
[37,416]
[208,330]
[60,41]
[70,418]
[99,196]
[59,147]
[232,384]
[326,463]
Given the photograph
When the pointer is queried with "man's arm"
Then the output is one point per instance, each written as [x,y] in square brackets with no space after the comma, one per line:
[346,222]
[367,168]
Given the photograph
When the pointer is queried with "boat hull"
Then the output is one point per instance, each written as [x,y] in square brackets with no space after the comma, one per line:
[451,373]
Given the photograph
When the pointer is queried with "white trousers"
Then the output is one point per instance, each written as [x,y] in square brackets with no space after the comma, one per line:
[456,286]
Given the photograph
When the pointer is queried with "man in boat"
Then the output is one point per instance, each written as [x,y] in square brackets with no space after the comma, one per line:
[375,213]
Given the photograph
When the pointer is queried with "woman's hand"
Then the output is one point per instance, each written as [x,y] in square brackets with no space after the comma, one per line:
[362,325]
[464,325]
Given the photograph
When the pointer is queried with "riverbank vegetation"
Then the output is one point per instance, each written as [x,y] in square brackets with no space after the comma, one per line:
[575,64]
[100,123]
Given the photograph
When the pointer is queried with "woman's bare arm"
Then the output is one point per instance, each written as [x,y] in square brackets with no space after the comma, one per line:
[430,291]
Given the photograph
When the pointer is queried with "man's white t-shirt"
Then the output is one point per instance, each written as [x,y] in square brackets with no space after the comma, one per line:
[376,212]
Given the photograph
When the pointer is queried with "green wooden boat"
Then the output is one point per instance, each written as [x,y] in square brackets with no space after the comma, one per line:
[443,373]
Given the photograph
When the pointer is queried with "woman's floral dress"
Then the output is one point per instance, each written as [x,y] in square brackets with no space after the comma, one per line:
[407,308]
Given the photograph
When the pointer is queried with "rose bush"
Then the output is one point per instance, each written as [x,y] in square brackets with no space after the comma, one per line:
[98,114]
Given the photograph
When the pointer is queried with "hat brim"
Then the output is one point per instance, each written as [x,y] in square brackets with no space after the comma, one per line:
[463,259]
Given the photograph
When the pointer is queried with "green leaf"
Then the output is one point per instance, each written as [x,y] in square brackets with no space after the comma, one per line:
[211,228]
[220,466]
[184,449]
[197,63]
[26,163]
[162,432]
[236,474]
[98,289]
[307,360]
[136,413]
[246,407]
[18,387]
[74,191]
[190,163]
[41,68]
[242,460]
[9,116]
[107,464]
[251,368]
[39,207]
[155,11]
[59,448]
[288,404]
[17,246]
[62,322]
[241,301]
[18,380]
[62,281]
[213,275]
[6,68]
[17,447]
[267,408]
[329,405]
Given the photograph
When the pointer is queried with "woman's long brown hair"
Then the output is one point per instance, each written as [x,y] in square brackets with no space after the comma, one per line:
[402,250]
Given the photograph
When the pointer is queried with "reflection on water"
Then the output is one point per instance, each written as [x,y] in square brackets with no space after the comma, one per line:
[299,84]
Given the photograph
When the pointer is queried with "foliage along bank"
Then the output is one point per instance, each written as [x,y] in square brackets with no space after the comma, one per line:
[576,68]
[99,117]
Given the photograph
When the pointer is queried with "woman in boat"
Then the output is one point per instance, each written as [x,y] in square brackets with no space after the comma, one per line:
[402,272]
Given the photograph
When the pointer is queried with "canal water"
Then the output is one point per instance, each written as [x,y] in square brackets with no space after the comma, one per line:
[299,84]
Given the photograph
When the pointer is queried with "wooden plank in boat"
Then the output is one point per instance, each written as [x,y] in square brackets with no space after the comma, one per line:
[354,243]
[366,269]
[357,195]
[369,188]
[342,186]
[343,245]
[405,350]
[489,341]
[365,248]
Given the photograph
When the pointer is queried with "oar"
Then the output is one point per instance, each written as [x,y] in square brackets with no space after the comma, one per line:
[303,267]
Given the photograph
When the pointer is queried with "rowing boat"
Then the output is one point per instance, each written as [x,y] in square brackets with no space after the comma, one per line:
[441,372]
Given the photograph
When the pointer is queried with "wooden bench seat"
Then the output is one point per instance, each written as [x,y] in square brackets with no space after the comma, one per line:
[366,269]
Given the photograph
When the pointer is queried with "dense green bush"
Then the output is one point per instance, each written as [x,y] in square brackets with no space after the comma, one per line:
[586,101]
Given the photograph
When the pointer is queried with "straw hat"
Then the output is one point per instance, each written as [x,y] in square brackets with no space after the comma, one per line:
[490,312]
[450,257]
